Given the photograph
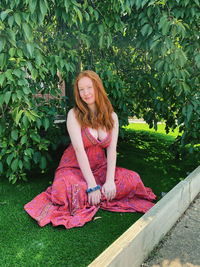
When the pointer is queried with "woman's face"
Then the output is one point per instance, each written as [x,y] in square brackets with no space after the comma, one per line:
[86,91]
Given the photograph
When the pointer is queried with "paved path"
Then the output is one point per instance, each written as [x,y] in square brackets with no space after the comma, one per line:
[181,246]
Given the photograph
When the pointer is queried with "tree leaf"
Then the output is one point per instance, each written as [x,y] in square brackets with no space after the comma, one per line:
[2,43]
[12,51]
[79,14]
[10,21]
[11,36]
[91,10]
[144,2]
[14,112]
[43,163]
[19,53]
[5,13]
[29,116]
[17,18]
[162,22]
[2,60]
[8,75]
[38,122]
[101,29]
[189,112]
[34,74]
[75,3]
[34,113]
[32,5]
[66,3]
[43,7]
[46,124]
[14,165]
[87,16]
[166,28]
[7,97]
[101,41]
[138,4]
[17,72]
[25,121]
[2,79]
[9,158]
[24,139]
[145,29]
[178,90]
[96,14]
[27,31]
[30,48]
[28,152]
[14,134]
[37,157]
[197,2]
[18,116]
[159,65]
[26,90]
[35,137]
[39,58]
[186,87]
[1,167]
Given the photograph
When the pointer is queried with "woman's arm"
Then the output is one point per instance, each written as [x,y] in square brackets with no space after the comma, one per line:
[74,130]
[109,188]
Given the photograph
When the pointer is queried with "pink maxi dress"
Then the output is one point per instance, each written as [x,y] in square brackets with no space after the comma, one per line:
[65,202]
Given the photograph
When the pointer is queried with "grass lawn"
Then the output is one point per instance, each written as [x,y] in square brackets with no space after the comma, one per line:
[24,243]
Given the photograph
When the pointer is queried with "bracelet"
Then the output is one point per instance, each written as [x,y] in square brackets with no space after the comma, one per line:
[89,190]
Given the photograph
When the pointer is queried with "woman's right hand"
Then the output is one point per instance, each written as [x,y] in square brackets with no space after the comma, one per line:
[94,197]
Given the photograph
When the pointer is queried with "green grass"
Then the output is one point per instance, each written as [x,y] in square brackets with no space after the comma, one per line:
[24,243]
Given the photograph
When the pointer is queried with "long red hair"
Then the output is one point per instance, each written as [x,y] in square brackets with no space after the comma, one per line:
[103,117]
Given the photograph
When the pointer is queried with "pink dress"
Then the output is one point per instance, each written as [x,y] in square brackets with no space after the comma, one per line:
[65,202]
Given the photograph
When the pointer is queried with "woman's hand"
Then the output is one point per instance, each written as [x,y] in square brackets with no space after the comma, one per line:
[109,189]
[94,197]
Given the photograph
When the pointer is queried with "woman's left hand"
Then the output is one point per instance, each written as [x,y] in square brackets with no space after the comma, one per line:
[109,189]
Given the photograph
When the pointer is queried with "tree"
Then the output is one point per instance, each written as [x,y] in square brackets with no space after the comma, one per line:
[157,56]
[146,51]
[37,38]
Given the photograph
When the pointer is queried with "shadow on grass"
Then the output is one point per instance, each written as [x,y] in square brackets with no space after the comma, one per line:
[149,154]
[24,243]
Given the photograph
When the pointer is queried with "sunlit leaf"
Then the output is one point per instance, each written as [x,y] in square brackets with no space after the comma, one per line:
[27,31]
[17,18]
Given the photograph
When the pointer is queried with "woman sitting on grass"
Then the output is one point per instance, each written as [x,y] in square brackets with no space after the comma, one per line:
[86,179]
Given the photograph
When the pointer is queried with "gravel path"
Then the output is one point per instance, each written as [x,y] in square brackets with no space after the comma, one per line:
[181,246]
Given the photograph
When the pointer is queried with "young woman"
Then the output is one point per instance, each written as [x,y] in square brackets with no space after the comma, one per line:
[87,179]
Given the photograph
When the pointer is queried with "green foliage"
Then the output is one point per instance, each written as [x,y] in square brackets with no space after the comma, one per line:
[38,38]
[116,90]
[147,53]
[152,160]
[157,57]
[27,129]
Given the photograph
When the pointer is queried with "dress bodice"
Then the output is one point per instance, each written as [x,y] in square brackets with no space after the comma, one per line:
[94,150]
[89,139]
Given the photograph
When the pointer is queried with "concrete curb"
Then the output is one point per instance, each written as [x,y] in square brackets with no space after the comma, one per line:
[133,246]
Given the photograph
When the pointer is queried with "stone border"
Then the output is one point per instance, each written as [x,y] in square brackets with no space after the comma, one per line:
[134,245]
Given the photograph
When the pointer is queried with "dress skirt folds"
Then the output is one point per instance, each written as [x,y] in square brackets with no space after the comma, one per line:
[65,202]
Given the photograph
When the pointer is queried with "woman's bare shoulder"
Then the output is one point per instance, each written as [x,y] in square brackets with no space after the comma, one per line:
[71,113]
[71,117]
[114,116]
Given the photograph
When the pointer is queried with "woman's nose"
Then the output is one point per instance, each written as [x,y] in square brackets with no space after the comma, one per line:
[86,92]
